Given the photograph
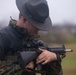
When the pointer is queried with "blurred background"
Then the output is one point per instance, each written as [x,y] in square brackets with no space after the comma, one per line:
[63,16]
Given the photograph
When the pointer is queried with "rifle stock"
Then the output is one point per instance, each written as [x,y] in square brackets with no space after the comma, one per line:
[25,57]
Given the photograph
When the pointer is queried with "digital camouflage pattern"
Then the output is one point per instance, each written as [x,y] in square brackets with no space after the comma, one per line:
[9,66]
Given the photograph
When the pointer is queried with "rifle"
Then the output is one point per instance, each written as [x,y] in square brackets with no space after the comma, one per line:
[25,57]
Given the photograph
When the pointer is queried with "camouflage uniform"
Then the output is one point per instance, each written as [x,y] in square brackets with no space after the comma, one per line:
[12,39]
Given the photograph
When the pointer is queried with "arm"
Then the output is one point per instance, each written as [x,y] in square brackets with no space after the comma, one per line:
[4,43]
[2,50]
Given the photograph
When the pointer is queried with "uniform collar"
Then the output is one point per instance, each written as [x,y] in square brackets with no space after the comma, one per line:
[19,30]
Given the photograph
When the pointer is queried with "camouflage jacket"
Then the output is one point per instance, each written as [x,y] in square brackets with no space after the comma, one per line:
[12,39]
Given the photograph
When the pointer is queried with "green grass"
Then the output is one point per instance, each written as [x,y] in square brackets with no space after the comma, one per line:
[69,62]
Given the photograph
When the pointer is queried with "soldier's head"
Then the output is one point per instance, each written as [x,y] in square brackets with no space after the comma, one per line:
[34,15]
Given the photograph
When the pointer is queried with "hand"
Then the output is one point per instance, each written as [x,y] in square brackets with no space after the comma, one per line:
[30,65]
[46,56]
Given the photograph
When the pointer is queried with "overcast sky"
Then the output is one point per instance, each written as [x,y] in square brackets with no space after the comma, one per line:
[60,10]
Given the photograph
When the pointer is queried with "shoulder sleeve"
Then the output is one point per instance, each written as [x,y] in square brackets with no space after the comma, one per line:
[2,47]
[4,43]
[56,68]
[53,68]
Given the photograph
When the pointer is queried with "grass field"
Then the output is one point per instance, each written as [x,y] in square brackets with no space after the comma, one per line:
[69,62]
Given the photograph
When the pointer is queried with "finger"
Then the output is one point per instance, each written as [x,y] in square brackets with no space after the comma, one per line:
[41,56]
[41,49]
[45,62]
[40,61]
[28,69]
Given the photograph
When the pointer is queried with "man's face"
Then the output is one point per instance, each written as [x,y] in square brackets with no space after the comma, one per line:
[31,29]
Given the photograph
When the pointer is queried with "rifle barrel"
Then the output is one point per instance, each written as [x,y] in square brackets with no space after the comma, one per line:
[68,50]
